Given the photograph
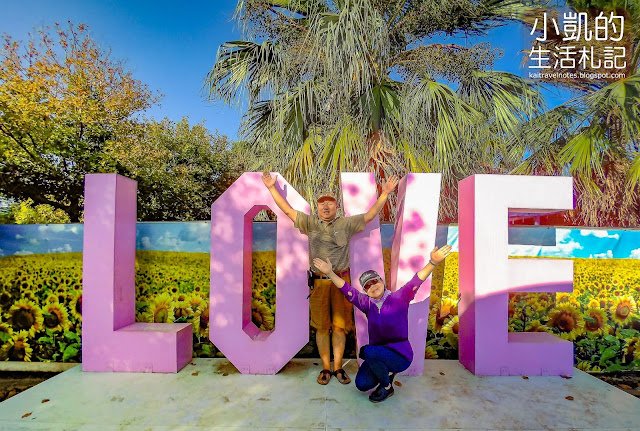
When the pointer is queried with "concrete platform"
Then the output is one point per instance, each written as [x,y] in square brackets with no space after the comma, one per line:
[212,394]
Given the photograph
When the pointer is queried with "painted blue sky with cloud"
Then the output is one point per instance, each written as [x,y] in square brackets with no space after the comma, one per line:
[195,237]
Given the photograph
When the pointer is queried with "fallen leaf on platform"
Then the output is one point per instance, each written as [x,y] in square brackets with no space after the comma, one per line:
[570,398]
[398,384]
[623,386]
[46,400]
[194,374]
[525,377]
[26,414]
[441,373]
[193,363]
[225,374]
[566,377]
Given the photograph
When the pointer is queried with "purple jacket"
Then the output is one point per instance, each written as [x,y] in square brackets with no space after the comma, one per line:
[389,324]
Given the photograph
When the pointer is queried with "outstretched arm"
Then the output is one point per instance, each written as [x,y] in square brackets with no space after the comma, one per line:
[436,257]
[358,299]
[327,268]
[387,188]
[409,290]
[270,183]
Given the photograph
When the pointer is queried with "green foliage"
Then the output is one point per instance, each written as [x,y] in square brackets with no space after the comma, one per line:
[25,213]
[180,169]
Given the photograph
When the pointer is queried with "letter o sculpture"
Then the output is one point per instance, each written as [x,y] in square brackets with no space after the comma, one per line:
[253,351]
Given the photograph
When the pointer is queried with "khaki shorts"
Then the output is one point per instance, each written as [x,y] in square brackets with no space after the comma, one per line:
[329,307]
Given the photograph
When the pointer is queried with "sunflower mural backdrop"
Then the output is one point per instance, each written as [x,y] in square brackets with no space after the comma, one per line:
[41,292]
[41,307]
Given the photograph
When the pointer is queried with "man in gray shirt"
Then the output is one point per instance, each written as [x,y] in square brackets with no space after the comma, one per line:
[329,236]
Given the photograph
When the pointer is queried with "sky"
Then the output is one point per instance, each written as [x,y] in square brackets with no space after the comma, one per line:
[170,46]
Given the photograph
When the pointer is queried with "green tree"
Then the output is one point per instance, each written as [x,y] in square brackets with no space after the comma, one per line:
[67,108]
[180,169]
[63,102]
[595,135]
[25,213]
[349,85]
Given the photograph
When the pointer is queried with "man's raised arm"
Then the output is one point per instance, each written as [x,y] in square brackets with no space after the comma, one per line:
[387,188]
[270,183]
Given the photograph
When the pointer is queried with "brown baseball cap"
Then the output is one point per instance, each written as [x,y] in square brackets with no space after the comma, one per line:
[328,194]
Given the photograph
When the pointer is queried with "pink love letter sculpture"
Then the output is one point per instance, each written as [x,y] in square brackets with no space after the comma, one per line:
[253,351]
[487,276]
[414,238]
[111,340]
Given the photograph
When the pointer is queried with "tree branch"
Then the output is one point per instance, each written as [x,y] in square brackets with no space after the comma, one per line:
[8,133]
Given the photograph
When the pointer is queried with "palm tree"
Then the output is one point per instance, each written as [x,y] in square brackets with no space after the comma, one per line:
[595,135]
[349,85]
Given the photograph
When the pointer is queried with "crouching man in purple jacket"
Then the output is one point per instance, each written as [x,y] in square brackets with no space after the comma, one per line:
[389,351]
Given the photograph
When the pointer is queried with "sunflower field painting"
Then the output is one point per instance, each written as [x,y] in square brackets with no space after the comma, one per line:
[600,317]
[41,307]
[41,300]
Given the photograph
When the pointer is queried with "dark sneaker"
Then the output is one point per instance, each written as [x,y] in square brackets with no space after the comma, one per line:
[376,392]
[381,394]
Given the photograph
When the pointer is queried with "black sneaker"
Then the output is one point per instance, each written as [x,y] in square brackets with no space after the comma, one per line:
[375,393]
[381,394]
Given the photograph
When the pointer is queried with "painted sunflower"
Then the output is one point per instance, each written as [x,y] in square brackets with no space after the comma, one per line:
[52,299]
[544,299]
[517,296]
[161,310]
[562,297]
[511,311]
[584,366]
[76,306]
[201,321]
[593,303]
[596,322]
[181,309]
[631,350]
[536,326]
[440,312]
[261,315]
[5,300]
[623,309]
[6,329]
[17,349]
[56,317]
[567,320]
[195,301]
[7,333]
[430,353]
[25,315]
[450,330]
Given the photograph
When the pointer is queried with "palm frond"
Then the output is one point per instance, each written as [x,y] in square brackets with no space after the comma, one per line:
[347,47]
[434,113]
[506,99]
[244,67]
